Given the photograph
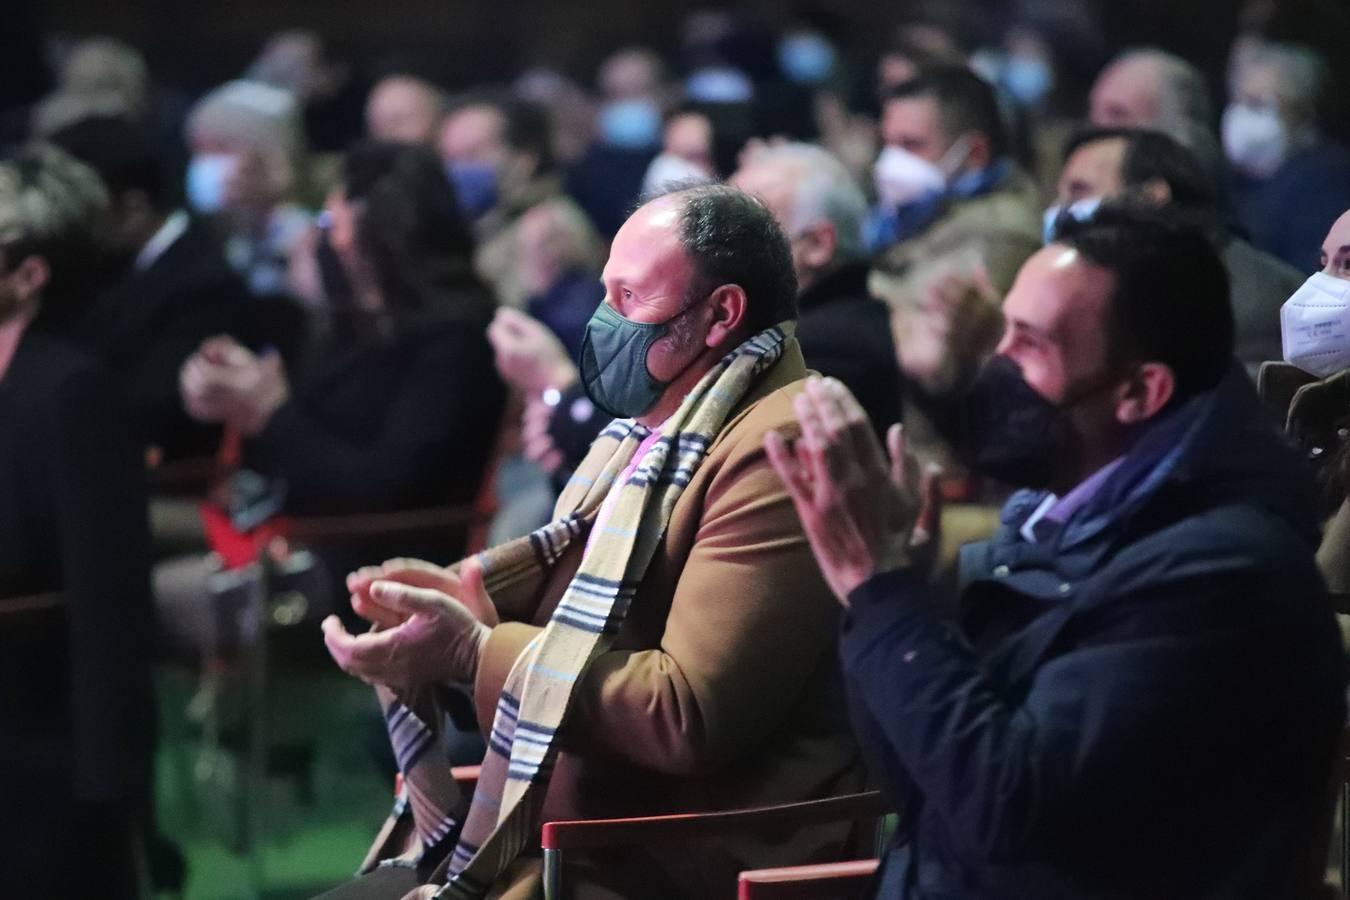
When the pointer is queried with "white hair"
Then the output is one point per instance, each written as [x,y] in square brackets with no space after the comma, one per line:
[262,116]
[822,191]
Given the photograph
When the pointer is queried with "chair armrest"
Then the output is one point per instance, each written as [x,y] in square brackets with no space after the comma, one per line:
[806,882]
[583,834]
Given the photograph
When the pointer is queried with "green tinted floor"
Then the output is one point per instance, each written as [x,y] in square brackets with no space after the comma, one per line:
[311,833]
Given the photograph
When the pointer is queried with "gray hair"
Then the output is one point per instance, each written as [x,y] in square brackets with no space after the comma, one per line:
[823,191]
[100,76]
[1185,99]
[47,196]
[256,114]
[1302,75]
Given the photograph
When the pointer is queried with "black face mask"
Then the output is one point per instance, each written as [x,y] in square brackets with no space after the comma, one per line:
[1008,431]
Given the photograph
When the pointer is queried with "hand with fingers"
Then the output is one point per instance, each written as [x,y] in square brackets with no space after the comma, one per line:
[422,634]
[464,584]
[862,512]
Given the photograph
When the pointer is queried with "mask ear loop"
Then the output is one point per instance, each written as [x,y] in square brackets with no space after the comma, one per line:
[960,150]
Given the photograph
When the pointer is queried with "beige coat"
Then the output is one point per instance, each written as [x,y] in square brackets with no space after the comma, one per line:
[722,689]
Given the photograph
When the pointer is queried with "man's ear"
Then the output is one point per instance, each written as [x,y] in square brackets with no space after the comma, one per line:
[28,279]
[1145,394]
[818,246]
[730,308]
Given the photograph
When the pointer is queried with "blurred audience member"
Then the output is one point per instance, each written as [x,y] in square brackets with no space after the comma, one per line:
[1149,88]
[844,331]
[247,151]
[571,111]
[944,168]
[1290,181]
[397,408]
[952,205]
[299,61]
[686,154]
[498,155]
[100,77]
[405,109]
[560,258]
[634,96]
[175,291]
[1153,586]
[76,723]
[402,410]
[1050,53]
[1150,167]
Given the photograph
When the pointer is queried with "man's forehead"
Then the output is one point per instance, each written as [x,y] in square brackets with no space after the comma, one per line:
[1339,235]
[1059,292]
[1097,161]
[649,239]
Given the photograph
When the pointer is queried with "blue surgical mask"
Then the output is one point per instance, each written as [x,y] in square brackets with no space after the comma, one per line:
[475,187]
[207,176]
[1080,211]
[806,58]
[1028,79]
[633,124]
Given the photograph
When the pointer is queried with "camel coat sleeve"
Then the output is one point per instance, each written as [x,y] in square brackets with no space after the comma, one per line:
[749,621]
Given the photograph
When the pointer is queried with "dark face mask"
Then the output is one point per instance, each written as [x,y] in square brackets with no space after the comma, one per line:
[1008,431]
[614,362]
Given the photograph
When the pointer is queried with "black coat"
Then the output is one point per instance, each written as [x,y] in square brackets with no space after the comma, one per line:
[846,333]
[393,423]
[1144,703]
[146,327]
[75,713]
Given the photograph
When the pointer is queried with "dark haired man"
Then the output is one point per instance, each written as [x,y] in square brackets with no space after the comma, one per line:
[672,610]
[944,169]
[1142,692]
[176,289]
[1151,168]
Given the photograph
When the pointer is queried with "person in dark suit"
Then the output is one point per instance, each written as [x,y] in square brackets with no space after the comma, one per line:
[177,289]
[76,723]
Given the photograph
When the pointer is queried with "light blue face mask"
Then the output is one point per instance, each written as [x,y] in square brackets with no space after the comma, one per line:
[633,124]
[806,58]
[207,176]
[1028,79]
[1079,211]
[475,188]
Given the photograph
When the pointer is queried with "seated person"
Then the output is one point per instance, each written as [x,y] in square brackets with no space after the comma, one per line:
[396,405]
[843,331]
[76,722]
[669,627]
[175,291]
[247,143]
[1149,166]
[1139,690]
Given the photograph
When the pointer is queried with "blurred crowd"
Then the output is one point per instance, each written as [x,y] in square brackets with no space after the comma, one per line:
[348,293]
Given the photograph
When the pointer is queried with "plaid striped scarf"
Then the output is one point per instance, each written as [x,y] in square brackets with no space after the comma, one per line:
[504,813]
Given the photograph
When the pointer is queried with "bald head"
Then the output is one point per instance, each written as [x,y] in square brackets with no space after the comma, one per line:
[1151,89]
[404,110]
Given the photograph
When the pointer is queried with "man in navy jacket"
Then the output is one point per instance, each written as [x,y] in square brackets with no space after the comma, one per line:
[1139,690]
